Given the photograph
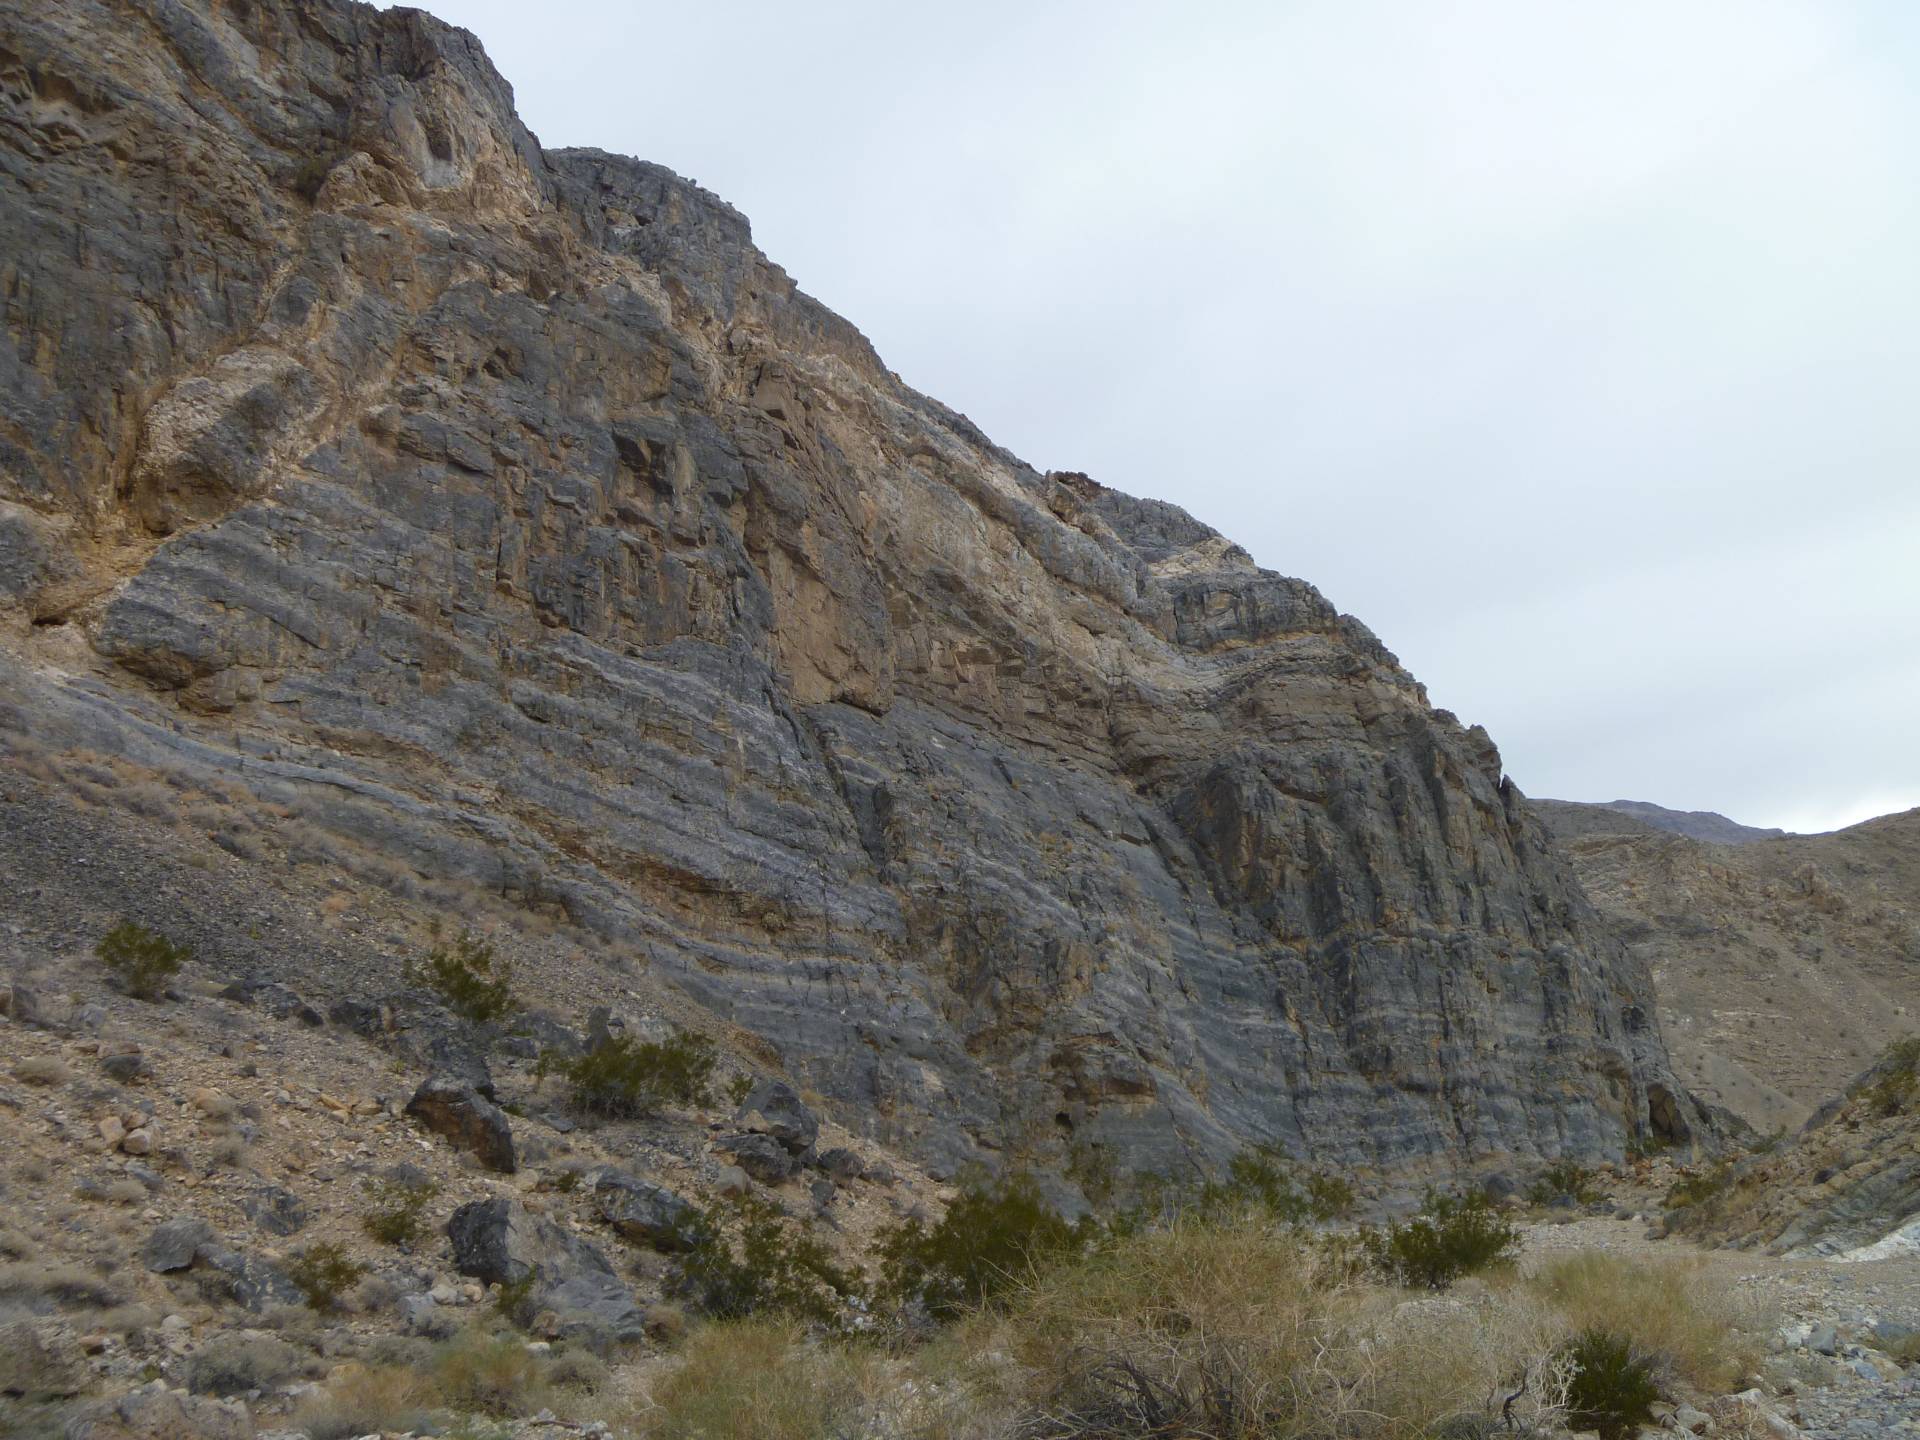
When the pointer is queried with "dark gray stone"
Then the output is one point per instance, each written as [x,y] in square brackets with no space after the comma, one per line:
[173,1244]
[277,1211]
[449,1106]
[842,1164]
[249,1281]
[645,1213]
[497,1242]
[775,1108]
[761,1156]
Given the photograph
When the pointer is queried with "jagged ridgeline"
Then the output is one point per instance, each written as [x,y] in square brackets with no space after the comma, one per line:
[510,511]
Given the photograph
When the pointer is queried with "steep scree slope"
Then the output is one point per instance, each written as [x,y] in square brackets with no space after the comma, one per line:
[507,510]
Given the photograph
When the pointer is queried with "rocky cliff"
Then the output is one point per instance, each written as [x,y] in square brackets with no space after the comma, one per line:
[1570,818]
[506,514]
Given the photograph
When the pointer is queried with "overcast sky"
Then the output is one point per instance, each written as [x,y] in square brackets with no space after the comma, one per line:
[1573,346]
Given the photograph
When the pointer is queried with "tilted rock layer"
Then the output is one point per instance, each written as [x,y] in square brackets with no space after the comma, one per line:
[506,510]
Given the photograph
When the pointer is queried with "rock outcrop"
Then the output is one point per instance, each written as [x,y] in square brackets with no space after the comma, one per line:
[1570,818]
[505,512]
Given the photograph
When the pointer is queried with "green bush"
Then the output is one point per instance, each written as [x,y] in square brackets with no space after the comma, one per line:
[143,960]
[398,1216]
[1697,1188]
[1261,1179]
[1564,1177]
[1451,1236]
[992,1237]
[324,1272]
[750,1260]
[470,979]
[1612,1389]
[625,1076]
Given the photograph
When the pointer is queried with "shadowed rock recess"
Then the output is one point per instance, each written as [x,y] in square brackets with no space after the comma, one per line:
[512,509]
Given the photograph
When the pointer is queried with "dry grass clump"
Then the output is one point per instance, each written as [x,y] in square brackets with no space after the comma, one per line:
[1244,1332]
[364,1400]
[1675,1312]
[66,1284]
[754,1380]
[42,1070]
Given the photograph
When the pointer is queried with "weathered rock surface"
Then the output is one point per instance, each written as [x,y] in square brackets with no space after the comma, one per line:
[448,1105]
[1569,818]
[41,1360]
[154,1412]
[507,511]
[645,1213]
[174,1244]
[761,1156]
[496,1241]
[774,1108]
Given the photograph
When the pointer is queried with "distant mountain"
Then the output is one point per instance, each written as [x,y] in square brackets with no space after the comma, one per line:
[1783,967]
[1569,818]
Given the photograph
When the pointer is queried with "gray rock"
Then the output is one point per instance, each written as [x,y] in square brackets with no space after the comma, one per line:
[125,1067]
[761,1156]
[732,1182]
[33,1007]
[362,1017]
[154,1412]
[497,1241]
[450,1057]
[276,1210]
[249,1281]
[645,1213]
[774,1108]
[424,1316]
[1824,1340]
[842,1164]
[41,1360]
[174,1244]
[449,1106]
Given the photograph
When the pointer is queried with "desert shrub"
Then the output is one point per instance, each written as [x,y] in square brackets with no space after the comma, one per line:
[1236,1328]
[514,1299]
[993,1236]
[323,1272]
[754,1380]
[1611,1388]
[470,979]
[492,1374]
[579,1370]
[1682,1319]
[738,1088]
[1452,1236]
[68,1284]
[142,960]
[1263,1179]
[1564,1178]
[234,1363]
[398,1215]
[367,1400]
[625,1076]
[748,1259]
[1699,1188]
[1896,1090]
[46,1070]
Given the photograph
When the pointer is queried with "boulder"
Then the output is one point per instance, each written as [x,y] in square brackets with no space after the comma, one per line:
[449,1106]
[154,1412]
[450,1057]
[173,1245]
[33,1007]
[277,1211]
[775,1108]
[250,1282]
[363,1017]
[645,1213]
[41,1360]
[122,1062]
[498,1242]
[761,1156]
[842,1164]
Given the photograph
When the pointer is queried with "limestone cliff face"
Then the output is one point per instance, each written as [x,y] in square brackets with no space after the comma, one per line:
[513,509]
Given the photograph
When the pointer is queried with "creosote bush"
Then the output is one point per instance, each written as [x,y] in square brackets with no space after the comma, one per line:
[323,1272]
[1452,1236]
[1564,1178]
[398,1216]
[142,960]
[625,1077]
[1611,1387]
[1263,1179]
[993,1237]
[471,980]
[749,1259]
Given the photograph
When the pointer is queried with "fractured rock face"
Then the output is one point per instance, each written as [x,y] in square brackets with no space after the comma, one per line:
[448,1105]
[497,1241]
[1017,813]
